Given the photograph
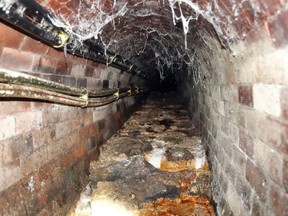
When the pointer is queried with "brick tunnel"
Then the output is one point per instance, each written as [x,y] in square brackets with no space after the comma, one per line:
[73,72]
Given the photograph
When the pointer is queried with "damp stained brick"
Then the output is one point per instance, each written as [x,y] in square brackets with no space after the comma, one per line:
[256,179]
[24,60]
[81,82]
[63,68]
[9,37]
[33,46]
[70,81]
[89,72]
[245,94]
[46,64]
[105,83]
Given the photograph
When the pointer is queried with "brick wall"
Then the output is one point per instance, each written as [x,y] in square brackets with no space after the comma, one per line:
[45,148]
[239,101]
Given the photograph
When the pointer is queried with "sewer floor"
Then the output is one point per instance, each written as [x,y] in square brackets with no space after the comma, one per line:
[155,165]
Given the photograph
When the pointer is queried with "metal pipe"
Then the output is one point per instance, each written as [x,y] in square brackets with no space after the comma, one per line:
[13,77]
[30,92]
[32,18]
[87,53]
[17,91]
[29,20]
[19,85]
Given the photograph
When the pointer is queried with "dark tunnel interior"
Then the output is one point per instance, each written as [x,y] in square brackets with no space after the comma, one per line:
[211,74]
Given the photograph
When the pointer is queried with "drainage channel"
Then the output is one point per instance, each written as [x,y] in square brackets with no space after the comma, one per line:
[155,165]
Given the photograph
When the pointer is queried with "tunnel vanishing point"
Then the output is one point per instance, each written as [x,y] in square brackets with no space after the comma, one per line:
[72,72]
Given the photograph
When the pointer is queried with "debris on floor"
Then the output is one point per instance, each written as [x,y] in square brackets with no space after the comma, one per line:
[155,165]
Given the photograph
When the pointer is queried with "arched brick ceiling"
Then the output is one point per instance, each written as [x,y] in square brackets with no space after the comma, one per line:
[144,31]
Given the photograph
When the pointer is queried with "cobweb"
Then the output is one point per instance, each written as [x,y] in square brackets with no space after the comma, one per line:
[161,36]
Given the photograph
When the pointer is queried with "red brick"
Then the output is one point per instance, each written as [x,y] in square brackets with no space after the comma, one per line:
[284,103]
[285,175]
[71,81]
[245,94]
[46,65]
[14,202]
[277,32]
[279,200]
[35,202]
[20,145]
[108,4]
[97,73]
[28,121]
[10,174]
[284,20]
[257,209]
[98,84]
[73,59]
[16,60]
[12,107]
[247,12]
[81,82]
[44,212]
[269,7]
[34,46]
[79,151]
[63,1]
[44,136]
[54,78]
[94,155]
[10,37]
[224,6]
[277,135]
[44,173]
[30,163]
[239,159]
[256,179]
[54,4]
[89,72]
[244,191]
[63,68]
[42,2]
[105,84]
[258,34]
[3,203]
[246,142]
[73,5]
[76,153]
[8,127]
[57,54]
[267,158]
[85,133]
[64,11]
[78,70]
[242,24]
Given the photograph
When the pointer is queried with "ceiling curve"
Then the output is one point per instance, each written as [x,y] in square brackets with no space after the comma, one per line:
[159,36]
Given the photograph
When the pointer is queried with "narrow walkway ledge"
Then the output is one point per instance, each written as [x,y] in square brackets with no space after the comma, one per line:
[155,165]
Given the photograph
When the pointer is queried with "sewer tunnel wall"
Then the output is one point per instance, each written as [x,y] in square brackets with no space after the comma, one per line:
[235,90]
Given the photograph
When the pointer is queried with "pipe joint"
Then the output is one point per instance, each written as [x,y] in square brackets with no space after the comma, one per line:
[63,38]
[117,94]
[85,97]
[129,91]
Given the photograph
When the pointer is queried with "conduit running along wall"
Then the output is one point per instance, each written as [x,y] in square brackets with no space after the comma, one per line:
[19,85]
[45,147]
[233,77]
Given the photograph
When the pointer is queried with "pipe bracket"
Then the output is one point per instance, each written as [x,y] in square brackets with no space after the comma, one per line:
[64,37]
[129,91]
[117,94]
[85,97]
